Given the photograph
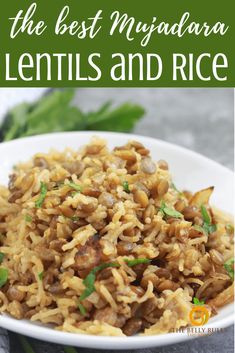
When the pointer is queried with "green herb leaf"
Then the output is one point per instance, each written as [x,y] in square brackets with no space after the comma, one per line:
[1,256]
[122,118]
[54,113]
[105,265]
[89,280]
[43,192]
[40,275]
[58,185]
[3,276]
[205,215]
[169,211]
[74,186]
[137,261]
[198,228]
[82,309]
[207,225]
[27,348]
[73,193]
[196,301]
[209,228]
[229,228]
[28,218]
[181,194]
[74,218]
[229,267]
[15,122]
[125,185]
[68,349]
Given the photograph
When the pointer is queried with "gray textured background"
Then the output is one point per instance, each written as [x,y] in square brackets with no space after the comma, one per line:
[199,119]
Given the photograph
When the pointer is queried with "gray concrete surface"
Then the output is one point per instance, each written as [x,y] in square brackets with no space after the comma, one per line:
[199,119]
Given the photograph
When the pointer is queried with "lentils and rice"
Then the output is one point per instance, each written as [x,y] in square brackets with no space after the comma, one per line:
[102,242]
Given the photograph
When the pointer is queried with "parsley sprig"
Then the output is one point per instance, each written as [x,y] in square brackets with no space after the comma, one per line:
[1,256]
[180,193]
[28,218]
[229,228]
[40,275]
[74,186]
[229,267]
[138,261]
[89,280]
[89,283]
[54,112]
[167,211]
[207,225]
[3,276]
[42,196]
[126,188]
[197,301]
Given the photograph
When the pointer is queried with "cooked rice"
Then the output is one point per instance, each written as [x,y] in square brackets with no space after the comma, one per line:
[117,216]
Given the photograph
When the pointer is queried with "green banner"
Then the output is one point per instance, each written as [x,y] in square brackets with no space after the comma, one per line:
[107,43]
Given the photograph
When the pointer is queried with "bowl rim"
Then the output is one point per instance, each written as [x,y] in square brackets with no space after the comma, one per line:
[92,133]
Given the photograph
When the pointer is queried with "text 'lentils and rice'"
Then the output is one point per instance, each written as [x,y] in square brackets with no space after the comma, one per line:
[102,242]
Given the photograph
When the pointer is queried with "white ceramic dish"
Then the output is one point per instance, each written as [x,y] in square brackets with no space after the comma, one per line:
[190,171]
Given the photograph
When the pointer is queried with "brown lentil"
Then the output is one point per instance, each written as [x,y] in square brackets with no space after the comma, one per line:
[124,247]
[190,212]
[132,326]
[107,315]
[94,149]
[167,284]
[15,294]
[141,198]
[127,155]
[180,205]
[216,257]
[106,199]
[148,166]
[162,164]
[162,187]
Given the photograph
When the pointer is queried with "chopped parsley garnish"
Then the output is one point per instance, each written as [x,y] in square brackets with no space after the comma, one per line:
[229,267]
[43,192]
[82,309]
[207,225]
[199,229]
[40,275]
[3,276]
[177,190]
[137,261]
[209,228]
[166,211]
[1,256]
[89,280]
[205,215]
[74,186]
[229,228]
[125,185]
[74,218]
[58,185]
[196,301]
[28,218]
[74,193]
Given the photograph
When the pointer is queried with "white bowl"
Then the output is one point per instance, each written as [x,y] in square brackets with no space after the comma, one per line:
[190,171]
